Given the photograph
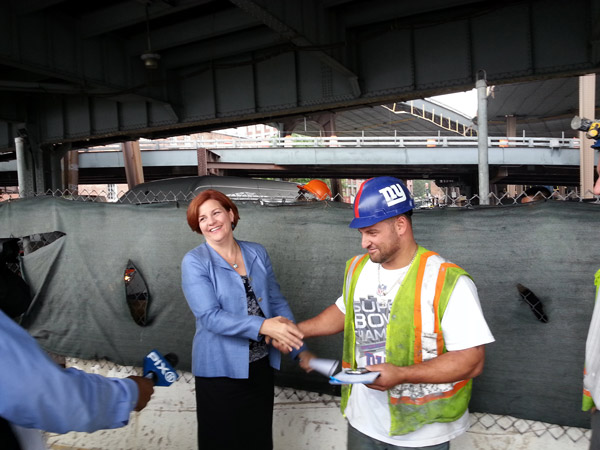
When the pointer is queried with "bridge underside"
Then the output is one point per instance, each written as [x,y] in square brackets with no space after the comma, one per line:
[77,74]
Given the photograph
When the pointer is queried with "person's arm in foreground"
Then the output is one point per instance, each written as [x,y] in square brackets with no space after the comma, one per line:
[37,393]
[446,368]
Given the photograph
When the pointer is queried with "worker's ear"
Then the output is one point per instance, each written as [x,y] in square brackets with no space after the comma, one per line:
[401,224]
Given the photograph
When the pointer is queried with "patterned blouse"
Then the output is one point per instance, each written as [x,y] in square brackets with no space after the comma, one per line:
[258,349]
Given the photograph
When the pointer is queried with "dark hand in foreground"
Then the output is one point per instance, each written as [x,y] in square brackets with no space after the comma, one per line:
[145,391]
[284,331]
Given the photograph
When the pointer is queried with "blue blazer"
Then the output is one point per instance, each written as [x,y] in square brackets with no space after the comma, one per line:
[216,295]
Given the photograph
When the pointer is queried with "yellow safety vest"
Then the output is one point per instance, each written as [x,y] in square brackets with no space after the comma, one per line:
[414,335]
[588,402]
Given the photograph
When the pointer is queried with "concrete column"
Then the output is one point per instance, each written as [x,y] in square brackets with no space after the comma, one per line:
[24,169]
[587,100]
[511,131]
[133,163]
[482,137]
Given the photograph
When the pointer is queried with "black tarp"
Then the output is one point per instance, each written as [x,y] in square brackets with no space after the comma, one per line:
[532,371]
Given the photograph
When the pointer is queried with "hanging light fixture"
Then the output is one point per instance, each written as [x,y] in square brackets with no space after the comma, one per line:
[149,57]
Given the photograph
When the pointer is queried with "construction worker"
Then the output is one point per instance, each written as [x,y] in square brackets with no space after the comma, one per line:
[411,315]
[314,188]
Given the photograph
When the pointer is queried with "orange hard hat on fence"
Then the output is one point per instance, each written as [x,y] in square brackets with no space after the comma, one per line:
[317,188]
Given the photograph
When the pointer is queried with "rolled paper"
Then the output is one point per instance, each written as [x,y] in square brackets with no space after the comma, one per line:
[325,367]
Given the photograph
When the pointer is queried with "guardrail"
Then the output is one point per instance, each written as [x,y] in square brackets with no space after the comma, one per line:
[361,141]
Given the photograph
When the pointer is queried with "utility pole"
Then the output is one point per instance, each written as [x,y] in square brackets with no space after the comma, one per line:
[482,139]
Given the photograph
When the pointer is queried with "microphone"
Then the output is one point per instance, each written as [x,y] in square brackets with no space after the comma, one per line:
[160,369]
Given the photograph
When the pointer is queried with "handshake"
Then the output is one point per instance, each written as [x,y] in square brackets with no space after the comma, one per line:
[285,336]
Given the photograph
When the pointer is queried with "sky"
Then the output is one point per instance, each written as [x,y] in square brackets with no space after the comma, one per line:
[465,102]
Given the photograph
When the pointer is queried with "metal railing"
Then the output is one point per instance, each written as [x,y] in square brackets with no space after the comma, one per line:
[344,142]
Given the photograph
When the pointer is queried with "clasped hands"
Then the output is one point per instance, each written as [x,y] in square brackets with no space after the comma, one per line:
[282,333]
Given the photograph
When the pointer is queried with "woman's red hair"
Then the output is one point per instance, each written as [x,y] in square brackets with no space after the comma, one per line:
[210,194]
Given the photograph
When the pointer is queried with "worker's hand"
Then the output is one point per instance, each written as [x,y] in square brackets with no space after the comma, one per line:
[388,377]
[145,391]
[278,345]
[304,359]
[283,330]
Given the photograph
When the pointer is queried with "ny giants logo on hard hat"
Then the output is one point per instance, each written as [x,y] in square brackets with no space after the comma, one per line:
[393,194]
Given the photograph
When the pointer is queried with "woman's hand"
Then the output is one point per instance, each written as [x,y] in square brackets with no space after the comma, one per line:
[284,331]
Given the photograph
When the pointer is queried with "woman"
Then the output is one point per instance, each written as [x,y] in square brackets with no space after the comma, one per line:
[231,289]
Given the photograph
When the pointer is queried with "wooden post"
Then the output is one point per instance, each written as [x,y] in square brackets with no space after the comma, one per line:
[132,157]
[71,171]
[587,100]
[202,161]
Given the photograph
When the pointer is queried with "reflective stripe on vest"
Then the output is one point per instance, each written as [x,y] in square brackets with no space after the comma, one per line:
[351,267]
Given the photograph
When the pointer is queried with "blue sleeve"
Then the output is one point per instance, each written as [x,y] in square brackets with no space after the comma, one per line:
[199,291]
[37,393]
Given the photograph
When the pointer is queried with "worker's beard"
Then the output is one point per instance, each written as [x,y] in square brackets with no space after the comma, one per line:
[385,252]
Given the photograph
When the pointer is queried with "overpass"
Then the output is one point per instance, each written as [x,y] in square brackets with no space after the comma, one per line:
[450,160]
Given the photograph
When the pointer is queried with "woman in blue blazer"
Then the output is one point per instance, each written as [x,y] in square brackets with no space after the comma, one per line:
[231,289]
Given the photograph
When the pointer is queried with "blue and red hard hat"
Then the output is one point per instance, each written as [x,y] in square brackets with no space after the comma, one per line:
[379,199]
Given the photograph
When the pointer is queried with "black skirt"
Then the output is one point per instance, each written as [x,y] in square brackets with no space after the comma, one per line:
[236,413]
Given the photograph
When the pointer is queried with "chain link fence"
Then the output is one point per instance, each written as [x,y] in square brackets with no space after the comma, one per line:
[480,422]
[451,199]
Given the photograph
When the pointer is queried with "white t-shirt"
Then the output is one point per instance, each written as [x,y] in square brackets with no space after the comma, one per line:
[463,326]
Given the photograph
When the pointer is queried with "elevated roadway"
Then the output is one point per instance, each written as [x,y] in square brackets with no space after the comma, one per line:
[450,160]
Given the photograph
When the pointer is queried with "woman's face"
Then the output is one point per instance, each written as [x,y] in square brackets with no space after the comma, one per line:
[215,221]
